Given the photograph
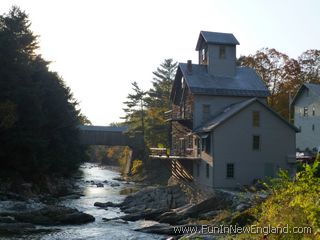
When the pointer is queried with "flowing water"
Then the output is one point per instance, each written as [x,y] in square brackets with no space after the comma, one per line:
[98,230]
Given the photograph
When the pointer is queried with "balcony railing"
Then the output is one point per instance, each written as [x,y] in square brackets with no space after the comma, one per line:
[187,153]
[176,116]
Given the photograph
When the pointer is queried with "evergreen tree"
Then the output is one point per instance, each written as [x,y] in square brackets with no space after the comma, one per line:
[135,109]
[158,102]
[38,116]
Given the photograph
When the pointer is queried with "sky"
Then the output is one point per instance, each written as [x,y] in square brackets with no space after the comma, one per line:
[100,47]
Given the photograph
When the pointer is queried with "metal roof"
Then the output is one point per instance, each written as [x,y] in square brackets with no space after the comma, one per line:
[216,38]
[246,82]
[315,88]
[103,128]
[232,110]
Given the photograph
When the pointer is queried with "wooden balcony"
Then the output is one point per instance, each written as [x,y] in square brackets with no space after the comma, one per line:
[178,116]
[165,153]
[184,119]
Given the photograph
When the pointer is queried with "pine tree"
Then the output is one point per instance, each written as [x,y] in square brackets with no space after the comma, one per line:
[38,115]
[135,109]
[158,102]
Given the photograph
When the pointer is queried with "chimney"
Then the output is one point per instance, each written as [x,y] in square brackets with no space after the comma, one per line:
[189,66]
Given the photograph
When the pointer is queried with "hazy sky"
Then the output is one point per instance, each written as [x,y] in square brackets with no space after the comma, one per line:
[99,47]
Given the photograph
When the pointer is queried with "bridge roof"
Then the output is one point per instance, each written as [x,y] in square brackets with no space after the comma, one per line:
[103,128]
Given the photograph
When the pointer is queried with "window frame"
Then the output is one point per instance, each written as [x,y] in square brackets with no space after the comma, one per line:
[206,114]
[207,170]
[254,137]
[222,52]
[198,169]
[256,118]
[305,112]
[204,53]
[227,170]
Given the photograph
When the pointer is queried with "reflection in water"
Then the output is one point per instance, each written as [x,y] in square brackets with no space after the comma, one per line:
[98,230]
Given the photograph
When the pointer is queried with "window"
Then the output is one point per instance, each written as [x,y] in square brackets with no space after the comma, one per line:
[256,142]
[312,127]
[255,118]
[313,111]
[305,111]
[205,112]
[204,54]
[198,169]
[206,143]
[198,147]
[222,52]
[207,170]
[230,170]
[190,141]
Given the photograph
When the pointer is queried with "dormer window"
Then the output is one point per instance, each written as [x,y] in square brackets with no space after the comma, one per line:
[222,52]
[204,54]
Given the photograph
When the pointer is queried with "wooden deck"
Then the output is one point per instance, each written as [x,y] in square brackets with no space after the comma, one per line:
[172,157]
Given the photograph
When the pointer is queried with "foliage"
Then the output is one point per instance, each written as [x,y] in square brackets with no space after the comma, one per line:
[283,75]
[38,115]
[135,109]
[158,102]
[145,109]
[294,203]
[137,167]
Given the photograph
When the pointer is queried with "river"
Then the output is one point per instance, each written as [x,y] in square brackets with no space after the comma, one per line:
[98,230]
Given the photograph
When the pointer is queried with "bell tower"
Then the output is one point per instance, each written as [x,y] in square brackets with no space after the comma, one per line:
[218,52]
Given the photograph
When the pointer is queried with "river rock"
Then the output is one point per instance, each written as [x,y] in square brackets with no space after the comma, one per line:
[242,206]
[53,215]
[9,228]
[71,196]
[106,205]
[114,184]
[7,219]
[99,185]
[118,179]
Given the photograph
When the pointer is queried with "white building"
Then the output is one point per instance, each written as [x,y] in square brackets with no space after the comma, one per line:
[306,105]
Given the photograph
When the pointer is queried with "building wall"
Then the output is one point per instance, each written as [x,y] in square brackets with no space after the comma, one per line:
[221,67]
[233,144]
[217,104]
[309,136]
[202,177]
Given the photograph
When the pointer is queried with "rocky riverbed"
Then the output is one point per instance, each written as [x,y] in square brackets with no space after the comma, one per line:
[170,207]
[96,205]
[69,211]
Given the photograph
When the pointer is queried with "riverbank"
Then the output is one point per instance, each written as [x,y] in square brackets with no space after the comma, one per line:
[31,207]
[178,206]
[96,183]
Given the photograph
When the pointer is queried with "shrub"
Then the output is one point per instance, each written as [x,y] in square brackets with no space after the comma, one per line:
[137,167]
[292,203]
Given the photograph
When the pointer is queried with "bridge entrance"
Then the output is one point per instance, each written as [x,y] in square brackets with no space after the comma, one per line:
[113,136]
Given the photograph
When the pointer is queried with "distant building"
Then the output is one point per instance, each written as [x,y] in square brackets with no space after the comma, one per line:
[306,105]
[223,132]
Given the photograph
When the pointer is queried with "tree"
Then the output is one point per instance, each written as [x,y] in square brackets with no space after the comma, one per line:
[310,66]
[38,115]
[158,102]
[135,109]
[279,72]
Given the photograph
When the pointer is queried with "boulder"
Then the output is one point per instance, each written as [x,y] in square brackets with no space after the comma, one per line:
[7,219]
[53,215]
[106,204]
[99,185]
[114,184]
[9,228]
